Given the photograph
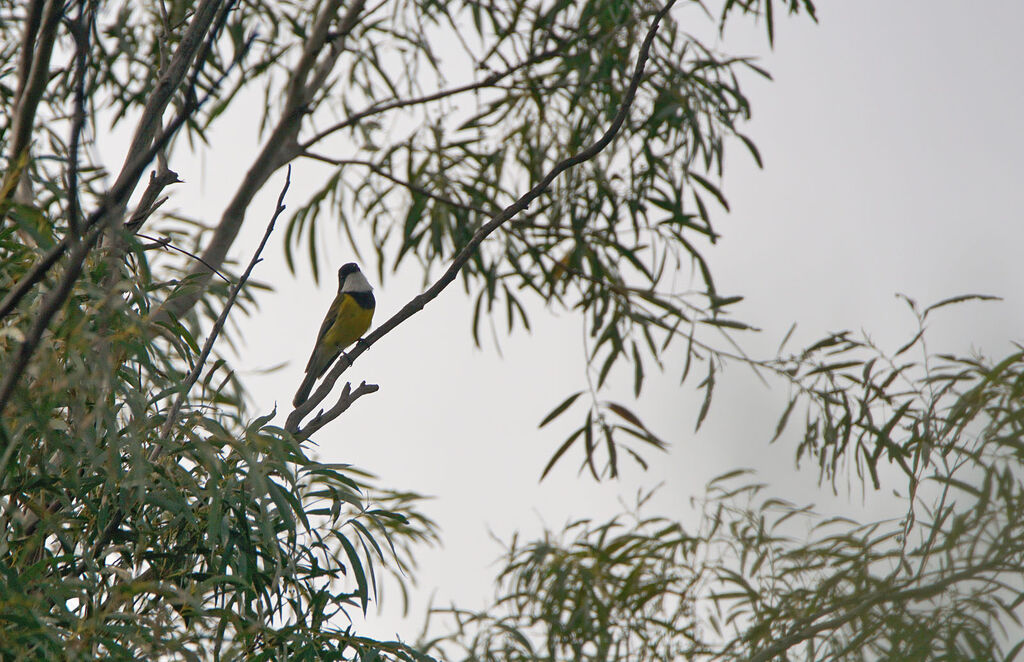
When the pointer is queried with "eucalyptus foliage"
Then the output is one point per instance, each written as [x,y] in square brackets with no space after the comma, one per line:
[759,578]
[565,154]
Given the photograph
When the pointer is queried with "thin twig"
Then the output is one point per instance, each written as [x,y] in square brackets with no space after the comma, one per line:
[497,220]
[401,182]
[155,243]
[376,109]
[80,30]
[166,243]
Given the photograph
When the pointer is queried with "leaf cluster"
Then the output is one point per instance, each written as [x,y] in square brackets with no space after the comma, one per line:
[759,578]
[224,539]
[145,512]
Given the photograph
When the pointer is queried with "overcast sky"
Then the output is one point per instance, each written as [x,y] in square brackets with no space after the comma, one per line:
[892,147]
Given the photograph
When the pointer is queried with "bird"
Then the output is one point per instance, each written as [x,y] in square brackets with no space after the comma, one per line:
[347,320]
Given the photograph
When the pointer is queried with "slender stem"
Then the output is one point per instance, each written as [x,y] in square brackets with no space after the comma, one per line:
[384,107]
[80,30]
[401,182]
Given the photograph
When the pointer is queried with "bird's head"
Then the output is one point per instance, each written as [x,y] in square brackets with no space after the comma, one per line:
[350,279]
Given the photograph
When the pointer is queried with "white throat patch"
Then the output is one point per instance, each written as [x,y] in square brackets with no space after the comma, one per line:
[356,282]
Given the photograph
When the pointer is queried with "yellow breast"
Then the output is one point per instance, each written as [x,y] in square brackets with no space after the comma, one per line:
[351,323]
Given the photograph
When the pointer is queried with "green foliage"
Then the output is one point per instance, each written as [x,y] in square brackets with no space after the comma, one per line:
[135,529]
[867,407]
[225,538]
[446,112]
[758,578]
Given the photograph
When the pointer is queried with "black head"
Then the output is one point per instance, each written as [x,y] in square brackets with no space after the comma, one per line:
[346,269]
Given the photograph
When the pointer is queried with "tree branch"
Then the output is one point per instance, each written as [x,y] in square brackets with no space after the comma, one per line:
[196,37]
[159,179]
[100,219]
[36,75]
[80,29]
[33,17]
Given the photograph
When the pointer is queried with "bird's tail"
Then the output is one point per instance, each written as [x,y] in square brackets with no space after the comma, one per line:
[315,369]
[307,385]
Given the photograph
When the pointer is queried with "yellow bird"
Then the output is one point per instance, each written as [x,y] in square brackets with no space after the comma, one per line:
[347,320]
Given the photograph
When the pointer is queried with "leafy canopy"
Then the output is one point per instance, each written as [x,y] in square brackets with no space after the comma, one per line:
[565,154]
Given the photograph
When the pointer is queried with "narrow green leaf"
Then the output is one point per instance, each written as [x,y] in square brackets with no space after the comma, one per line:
[710,188]
[357,569]
[561,451]
[560,409]
[959,299]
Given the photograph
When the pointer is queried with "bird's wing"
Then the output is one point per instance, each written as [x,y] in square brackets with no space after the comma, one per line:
[329,319]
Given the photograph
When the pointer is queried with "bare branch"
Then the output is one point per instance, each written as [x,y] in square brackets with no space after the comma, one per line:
[348,396]
[298,92]
[335,39]
[80,30]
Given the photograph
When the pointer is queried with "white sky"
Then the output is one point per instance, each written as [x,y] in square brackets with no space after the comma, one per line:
[893,163]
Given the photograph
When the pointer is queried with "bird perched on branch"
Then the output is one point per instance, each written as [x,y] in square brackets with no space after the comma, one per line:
[347,320]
